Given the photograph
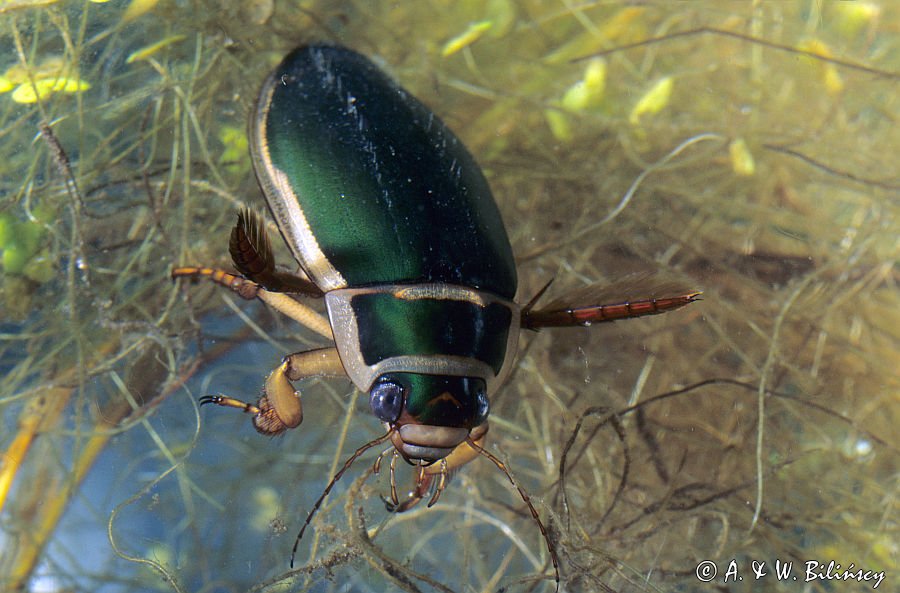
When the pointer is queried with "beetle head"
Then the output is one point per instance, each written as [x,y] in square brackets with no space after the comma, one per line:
[432,414]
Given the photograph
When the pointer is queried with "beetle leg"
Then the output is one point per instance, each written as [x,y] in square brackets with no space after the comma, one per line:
[230,402]
[248,289]
[251,252]
[305,316]
[376,467]
[279,408]
[442,483]
[605,302]
[395,501]
[321,362]
[423,485]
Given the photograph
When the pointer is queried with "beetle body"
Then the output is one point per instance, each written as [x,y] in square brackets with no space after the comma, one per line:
[390,219]
[389,215]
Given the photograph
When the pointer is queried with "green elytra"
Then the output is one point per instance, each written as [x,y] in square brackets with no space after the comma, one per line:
[390,194]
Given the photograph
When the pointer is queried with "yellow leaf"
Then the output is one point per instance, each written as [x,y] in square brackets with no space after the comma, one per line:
[137,9]
[742,162]
[472,34]
[653,100]
[587,92]
[41,89]
[834,84]
[851,17]
[559,123]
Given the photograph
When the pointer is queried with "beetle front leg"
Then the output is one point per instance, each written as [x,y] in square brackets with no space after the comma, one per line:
[279,407]
[425,475]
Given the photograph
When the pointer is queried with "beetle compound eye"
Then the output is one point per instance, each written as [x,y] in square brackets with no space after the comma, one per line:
[386,399]
[482,404]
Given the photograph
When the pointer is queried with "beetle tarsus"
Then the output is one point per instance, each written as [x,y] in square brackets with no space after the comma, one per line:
[267,421]
[279,407]
[229,402]
[265,418]
[585,306]
[246,289]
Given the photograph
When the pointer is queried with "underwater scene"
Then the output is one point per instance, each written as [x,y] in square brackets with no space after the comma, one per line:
[740,156]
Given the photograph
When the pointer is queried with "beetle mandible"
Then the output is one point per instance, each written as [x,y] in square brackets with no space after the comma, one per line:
[392,222]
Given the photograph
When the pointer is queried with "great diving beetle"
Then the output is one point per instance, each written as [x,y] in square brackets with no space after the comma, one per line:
[393,223]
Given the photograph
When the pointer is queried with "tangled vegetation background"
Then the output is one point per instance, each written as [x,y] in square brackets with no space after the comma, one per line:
[745,149]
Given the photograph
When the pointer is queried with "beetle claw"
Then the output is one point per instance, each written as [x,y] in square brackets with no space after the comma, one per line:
[389,505]
[229,402]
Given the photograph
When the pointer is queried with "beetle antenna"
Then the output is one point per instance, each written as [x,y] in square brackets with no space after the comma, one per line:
[554,558]
[331,484]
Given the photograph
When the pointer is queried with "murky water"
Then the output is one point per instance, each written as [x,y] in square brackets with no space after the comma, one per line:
[745,150]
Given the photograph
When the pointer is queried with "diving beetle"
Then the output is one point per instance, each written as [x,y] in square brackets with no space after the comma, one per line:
[392,222]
